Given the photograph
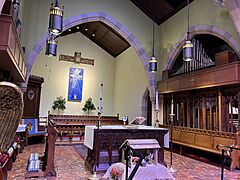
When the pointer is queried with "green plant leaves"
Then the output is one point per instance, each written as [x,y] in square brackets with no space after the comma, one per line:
[88,106]
[59,103]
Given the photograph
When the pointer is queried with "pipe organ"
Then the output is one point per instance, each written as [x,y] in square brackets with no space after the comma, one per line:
[201,60]
[206,99]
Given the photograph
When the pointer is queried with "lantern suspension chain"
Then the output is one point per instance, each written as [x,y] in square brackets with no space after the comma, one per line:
[153,41]
[188,32]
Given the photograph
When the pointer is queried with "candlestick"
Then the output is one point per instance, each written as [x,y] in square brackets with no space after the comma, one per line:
[100,99]
[172,105]
[157,100]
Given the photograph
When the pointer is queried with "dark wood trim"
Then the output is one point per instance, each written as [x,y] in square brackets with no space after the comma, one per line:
[11,53]
[212,77]
[220,109]
[211,124]
[204,111]
[188,113]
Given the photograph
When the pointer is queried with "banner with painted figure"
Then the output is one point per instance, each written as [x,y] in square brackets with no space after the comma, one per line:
[75,84]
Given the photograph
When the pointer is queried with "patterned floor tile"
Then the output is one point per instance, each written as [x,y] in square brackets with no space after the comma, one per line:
[70,165]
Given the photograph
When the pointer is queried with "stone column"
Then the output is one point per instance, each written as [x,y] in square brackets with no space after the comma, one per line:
[233,7]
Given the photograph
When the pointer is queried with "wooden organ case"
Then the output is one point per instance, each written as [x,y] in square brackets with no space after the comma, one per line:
[206,97]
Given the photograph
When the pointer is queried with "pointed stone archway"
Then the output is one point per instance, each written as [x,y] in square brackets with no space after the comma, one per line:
[146,108]
[201,29]
[107,19]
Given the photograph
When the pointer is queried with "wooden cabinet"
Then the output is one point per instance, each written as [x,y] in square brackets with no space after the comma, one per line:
[32,97]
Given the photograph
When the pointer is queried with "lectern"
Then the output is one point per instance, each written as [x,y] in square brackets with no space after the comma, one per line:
[131,145]
[141,144]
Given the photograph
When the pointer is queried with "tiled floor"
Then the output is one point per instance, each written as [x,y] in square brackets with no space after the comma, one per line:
[70,166]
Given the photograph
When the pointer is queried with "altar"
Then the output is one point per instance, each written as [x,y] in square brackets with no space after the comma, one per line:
[109,138]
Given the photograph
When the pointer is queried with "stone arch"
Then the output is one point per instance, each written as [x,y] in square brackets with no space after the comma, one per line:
[201,29]
[107,19]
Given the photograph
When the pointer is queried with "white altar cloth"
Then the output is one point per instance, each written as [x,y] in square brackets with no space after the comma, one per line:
[150,172]
[89,133]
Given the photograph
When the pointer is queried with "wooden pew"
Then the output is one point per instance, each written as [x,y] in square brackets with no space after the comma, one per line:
[201,139]
[235,154]
[11,108]
[71,125]
[47,160]
[3,166]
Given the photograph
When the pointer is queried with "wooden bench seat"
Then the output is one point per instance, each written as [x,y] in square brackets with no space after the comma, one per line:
[3,166]
[71,126]
[201,139]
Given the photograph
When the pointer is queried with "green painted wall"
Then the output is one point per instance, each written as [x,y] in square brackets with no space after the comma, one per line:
[123,11]
[124,86]
[128,78]
[202,12]
[56,75]
[130,85]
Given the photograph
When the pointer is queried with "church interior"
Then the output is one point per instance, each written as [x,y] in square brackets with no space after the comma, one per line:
[119,89]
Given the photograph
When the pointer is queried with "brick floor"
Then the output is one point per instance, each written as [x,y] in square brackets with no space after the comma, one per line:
[70,166]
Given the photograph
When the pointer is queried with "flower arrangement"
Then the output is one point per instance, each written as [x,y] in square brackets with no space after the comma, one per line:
[88,106]
[59,104]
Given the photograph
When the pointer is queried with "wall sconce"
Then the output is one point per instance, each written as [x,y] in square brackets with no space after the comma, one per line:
[56,19]
[51,47]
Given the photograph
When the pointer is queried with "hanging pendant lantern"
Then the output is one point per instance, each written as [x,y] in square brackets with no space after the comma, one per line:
[188,51]
[55,19]
[153,60]
[188,46]
[153,64]
[51,47]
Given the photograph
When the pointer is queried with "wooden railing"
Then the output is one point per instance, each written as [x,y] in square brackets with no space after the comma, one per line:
[212,77]
[206,140]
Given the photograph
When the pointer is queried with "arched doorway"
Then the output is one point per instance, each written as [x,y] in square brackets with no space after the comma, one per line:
[147,107]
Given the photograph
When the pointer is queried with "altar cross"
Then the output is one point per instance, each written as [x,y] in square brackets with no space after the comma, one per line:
[76,59]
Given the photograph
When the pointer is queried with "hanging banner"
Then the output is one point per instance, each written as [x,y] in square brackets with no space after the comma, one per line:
[75,84]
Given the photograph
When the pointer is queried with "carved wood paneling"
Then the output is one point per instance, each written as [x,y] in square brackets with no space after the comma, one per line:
[11,53]
[32,97]
[110,139]
[211,77]
[206,140]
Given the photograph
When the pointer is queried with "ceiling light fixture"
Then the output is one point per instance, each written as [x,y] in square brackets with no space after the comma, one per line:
[51,47]
[153,60]
[56,19]
[188,46]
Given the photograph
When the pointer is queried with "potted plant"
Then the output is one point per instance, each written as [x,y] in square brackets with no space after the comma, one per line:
[88,106]
[59,104]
